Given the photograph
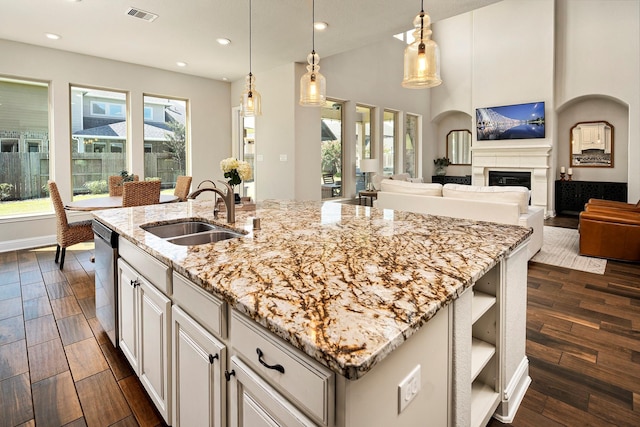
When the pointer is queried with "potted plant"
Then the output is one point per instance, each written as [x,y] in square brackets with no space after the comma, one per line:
[441,165]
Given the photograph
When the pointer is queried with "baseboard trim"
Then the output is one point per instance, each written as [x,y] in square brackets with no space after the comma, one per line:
[514,393]
[32,242]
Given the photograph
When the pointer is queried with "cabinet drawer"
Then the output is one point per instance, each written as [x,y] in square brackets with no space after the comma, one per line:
[304,382]
[149,267]
[209,310]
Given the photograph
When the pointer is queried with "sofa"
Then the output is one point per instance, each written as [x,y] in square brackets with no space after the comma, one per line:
[610,229]
[504,205]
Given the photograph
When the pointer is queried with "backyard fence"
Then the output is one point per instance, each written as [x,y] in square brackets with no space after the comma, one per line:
[28,173]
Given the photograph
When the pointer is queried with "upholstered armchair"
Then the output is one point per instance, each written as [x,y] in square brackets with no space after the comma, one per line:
[610,230]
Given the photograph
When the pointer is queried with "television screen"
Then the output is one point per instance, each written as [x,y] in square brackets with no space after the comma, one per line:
[521,121]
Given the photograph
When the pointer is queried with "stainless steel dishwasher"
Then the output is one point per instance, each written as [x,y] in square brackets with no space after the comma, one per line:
[106,258]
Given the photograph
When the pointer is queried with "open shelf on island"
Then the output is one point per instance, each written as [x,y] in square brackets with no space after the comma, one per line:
[481,354]
[481,303]
[484,401]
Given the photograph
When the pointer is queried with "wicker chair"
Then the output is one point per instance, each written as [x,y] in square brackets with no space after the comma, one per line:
[115,184]
[140,193]
[183,184]
[67,233]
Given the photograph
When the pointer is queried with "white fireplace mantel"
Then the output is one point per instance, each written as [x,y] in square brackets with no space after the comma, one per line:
[520,158]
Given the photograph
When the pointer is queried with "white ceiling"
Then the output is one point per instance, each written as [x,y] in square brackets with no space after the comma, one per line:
[186,30]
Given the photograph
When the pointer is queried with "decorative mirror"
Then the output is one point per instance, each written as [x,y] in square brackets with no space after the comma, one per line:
[591,145]
[459,147]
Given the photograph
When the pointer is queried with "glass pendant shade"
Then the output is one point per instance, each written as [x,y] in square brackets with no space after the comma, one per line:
[422,57]
[313,85]
[250,100]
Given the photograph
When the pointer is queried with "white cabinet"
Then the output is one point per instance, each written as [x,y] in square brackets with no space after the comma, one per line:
[489,336]
[254,403]
[199,361]
[144,317]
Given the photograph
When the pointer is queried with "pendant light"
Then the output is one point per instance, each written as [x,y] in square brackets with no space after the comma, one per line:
[313,85]
[422,57]
[250,101]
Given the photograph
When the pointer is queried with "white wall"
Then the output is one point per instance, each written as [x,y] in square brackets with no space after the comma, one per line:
[513,59]
[598,54]
[209,105]
[373,76]
[571,54]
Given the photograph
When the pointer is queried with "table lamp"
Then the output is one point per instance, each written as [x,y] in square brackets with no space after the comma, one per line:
[367,166]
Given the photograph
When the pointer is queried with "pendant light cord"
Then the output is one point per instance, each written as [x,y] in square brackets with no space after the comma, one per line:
[250,37]
[313,28]
[421,20]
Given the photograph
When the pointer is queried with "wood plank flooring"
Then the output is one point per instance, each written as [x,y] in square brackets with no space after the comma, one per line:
[57,366]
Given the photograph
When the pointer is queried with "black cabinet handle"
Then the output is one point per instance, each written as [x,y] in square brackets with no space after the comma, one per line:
[278,367]
[228,374]
[213,357]
[135,283]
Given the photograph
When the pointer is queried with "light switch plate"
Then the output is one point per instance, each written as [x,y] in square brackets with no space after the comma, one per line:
[259,157]
[283,157]
[408,389]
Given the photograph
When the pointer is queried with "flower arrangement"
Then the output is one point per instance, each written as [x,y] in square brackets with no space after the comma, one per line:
[235,170]
[442,161]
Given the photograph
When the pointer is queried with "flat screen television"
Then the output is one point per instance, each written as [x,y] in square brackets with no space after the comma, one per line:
[520,121]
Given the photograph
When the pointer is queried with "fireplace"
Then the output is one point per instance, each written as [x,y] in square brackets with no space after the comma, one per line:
[517,161]
[510,179]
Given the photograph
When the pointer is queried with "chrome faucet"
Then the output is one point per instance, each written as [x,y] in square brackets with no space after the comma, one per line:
[228,198]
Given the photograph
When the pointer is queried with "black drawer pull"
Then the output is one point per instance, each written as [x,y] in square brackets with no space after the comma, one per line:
[213,357]
[135,283]
[228,374]
[278,367]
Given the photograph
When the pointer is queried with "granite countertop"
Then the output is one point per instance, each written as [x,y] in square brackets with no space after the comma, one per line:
[345,284]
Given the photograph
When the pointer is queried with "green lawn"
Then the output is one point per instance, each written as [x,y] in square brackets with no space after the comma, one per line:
[43,205]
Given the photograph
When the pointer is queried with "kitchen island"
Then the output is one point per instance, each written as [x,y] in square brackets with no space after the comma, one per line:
[345,292]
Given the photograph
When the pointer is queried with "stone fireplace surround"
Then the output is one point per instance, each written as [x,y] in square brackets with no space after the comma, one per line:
[518,158]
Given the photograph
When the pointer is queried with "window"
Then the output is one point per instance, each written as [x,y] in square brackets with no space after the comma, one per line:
[33,146]
[389,142]
[331,149]
[99,108]
[116,147]
[99,138]
[165,140]
[9,145]
[411,141]
[363,133]
[24,147]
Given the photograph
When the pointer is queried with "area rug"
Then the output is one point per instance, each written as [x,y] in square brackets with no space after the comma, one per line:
[560,248]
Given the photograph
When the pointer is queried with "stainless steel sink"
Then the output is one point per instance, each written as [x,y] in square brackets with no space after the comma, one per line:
[179,228]
[204,237]
[189,233]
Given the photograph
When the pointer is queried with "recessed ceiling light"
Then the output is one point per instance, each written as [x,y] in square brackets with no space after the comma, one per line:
[181,64]
[223,41]
[320,25]
[52,36]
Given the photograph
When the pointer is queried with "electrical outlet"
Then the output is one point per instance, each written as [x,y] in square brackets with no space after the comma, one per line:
[408,389]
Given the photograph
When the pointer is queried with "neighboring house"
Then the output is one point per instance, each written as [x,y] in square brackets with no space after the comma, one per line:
[99,122]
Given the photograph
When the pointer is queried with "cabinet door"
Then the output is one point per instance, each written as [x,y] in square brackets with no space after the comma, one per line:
[128,312]
[155,346]
[254,403]
[199,361]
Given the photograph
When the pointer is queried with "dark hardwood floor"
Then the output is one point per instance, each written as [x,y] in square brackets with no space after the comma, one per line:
[58,368]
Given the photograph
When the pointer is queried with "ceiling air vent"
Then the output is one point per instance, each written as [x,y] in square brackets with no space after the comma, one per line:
[137,13]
